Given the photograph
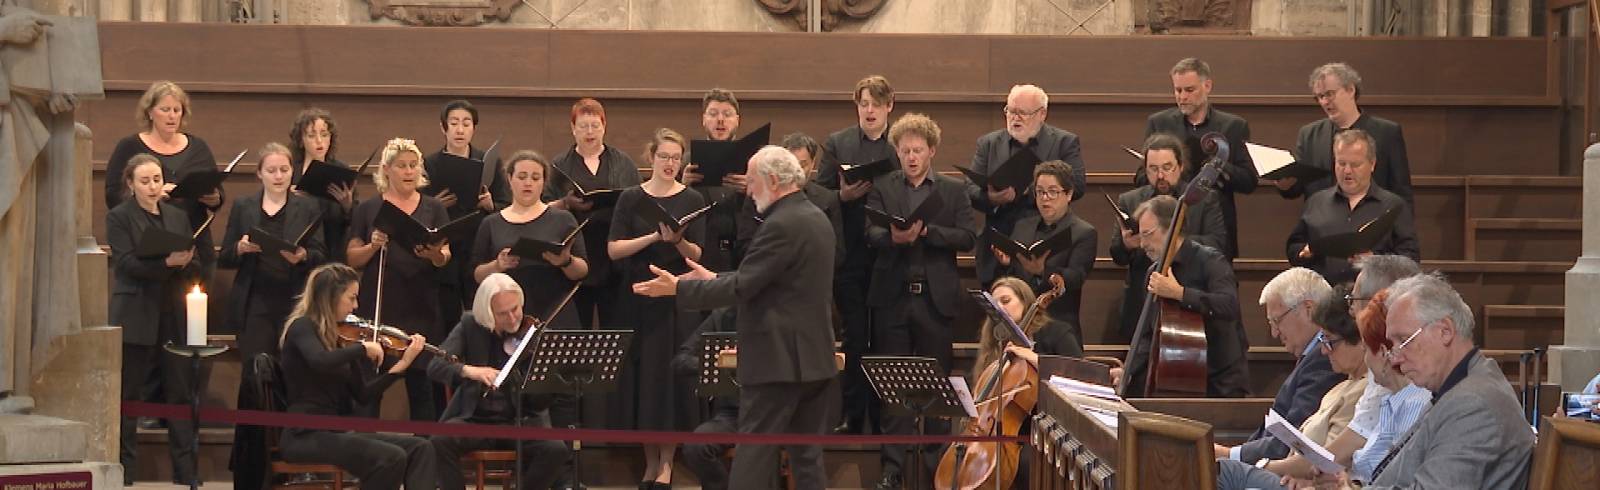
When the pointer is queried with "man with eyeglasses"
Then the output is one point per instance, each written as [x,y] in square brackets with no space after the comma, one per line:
[1288,301]
[1193,118]
[1337,89]
[719,116]
[1052,193]
[1164,155]
[1346,208]
[1201,281]
[1475,435]
[1027,107]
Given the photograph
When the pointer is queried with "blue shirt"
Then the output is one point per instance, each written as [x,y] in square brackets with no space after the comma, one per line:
[1397,412]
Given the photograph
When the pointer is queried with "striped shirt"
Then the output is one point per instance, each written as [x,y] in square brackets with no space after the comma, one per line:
[1396,413]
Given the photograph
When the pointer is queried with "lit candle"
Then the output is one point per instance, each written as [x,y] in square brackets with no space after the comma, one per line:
[196,301]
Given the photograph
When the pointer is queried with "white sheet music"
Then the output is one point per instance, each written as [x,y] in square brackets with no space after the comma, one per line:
[522,346]
[1088,389]
[1268,159]
[965,394]
[1313,452]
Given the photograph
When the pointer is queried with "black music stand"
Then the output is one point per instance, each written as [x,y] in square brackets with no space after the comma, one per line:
[914,386]
[194,353]
[575,361]
[715,381]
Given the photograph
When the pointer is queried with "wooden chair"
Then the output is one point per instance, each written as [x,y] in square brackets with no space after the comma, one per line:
[1164,451]
[269,391]
[488,464]
[1566,456]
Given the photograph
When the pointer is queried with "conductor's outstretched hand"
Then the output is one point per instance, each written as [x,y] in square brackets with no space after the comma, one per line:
[666,284]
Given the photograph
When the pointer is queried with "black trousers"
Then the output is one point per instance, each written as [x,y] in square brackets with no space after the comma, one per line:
[381,461]
[850,297]
[705,460]
[919,330]
[542,461]
[141,363]
[793,408]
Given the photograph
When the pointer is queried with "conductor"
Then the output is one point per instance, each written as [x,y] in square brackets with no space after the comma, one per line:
[781,290]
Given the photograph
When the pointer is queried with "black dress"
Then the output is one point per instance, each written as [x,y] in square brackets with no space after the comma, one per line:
[616,171]
[543,285]
[410,295]
[651,397]
[456,285]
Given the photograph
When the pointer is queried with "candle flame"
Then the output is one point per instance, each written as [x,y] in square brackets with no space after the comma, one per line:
[196,290]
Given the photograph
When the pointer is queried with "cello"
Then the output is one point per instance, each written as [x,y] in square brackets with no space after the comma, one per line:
[1177,358]
[1005,396]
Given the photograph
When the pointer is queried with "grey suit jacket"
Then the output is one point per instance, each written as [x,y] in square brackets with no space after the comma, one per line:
[1473,437]
[1299,397]
[783,290]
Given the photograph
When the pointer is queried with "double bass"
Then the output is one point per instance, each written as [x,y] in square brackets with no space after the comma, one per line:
[1177,359]
[1007,390]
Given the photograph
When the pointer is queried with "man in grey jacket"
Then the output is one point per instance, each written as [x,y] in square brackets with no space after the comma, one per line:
[1474,436]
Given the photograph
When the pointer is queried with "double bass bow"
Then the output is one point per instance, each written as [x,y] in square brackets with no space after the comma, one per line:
[1007,391]
[1177,358]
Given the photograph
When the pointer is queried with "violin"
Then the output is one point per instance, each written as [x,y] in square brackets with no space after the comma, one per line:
[392,340]
[1007,391]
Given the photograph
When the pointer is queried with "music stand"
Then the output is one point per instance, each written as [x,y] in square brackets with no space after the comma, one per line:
[914,386]
[575,361]
[716,381]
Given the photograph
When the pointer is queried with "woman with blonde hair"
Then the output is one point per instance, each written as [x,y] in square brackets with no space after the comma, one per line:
[410,275]
[322,378]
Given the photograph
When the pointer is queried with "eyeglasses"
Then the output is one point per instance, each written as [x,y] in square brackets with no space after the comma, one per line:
[669,157]
[1327,342]
[1273,321]
[1051,193]
[1396,350]
[1350,300]
[1326,94]
[1015,112]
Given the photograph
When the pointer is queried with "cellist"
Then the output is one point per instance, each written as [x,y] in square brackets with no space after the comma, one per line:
[1202,281]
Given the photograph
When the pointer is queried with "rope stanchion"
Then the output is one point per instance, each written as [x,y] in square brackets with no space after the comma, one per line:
[486,431]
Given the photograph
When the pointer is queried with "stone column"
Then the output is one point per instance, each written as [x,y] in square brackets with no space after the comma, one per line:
[1576,362]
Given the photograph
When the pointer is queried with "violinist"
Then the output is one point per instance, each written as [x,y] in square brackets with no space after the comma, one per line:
[258,304]
[322,377]
[1201,281]
[410,288]
[147,301]
[484,341]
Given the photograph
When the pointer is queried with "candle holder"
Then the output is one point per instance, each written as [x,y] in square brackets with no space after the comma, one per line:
[195,353]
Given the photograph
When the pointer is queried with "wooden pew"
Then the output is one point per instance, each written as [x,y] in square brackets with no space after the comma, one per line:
[1232,420]
[1165,451]
[1144,450]
[1566,456]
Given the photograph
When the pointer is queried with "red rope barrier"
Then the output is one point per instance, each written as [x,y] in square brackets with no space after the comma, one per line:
[486,431]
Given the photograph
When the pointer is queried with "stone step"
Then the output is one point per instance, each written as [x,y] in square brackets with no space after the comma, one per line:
[30,439]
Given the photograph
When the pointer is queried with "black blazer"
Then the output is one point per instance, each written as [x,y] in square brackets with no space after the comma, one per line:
[1073,264]
[1315,147]
[246,214]
[1239,172]
[1204,225]
[139,286]
[783,294]
[825,199]
[474,346]
[949,233]
[1298,397]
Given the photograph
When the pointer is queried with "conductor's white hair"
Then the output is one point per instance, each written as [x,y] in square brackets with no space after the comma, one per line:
[495,283]
[1030,89]
[1294,286]
[776,161]
[1433,299]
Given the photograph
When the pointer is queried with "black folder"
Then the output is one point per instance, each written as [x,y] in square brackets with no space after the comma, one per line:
[198,184]
[716,159]
[866,171]
[1051,244]
[158,242]
[1368,235]
[599,198]
[925,212]
[1016,172]
[652,212]
[408,232]
[320,175]
[461,176]
[1128,223]
[533,248]
[273,244]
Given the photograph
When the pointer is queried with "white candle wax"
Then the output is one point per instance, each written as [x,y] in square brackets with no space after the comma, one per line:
[196,302]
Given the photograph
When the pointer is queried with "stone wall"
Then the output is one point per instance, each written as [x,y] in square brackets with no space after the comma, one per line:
[1032,17]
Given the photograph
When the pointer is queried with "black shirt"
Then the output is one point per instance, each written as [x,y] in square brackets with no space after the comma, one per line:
[273,268]
[410,283]
[916,194]
[322,381]
[1211,290]
[1073,263]
[616,171]
[1392,169]
[543,284]
[851,146]
[1328,212]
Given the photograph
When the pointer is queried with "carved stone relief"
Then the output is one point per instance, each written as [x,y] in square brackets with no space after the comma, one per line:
[442,12]
[833,11]
[1193,16]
